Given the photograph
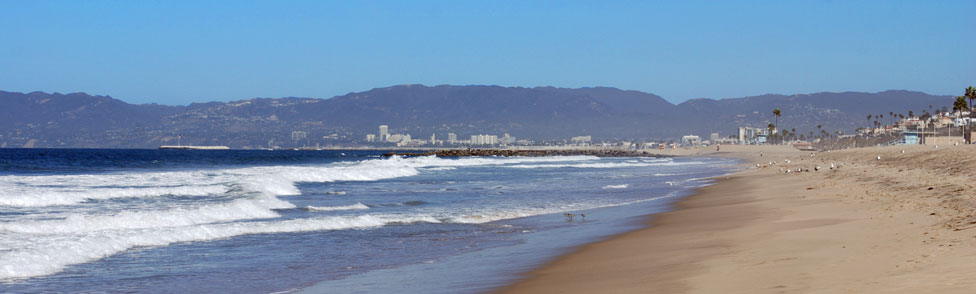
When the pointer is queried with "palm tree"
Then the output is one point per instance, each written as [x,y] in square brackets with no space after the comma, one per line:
[960,104]
[777,113]
[971,95]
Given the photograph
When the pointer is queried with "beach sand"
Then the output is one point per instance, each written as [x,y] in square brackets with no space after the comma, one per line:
[902,224]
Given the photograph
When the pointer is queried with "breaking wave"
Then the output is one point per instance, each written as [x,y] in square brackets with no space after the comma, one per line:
[58,252]
[357,206]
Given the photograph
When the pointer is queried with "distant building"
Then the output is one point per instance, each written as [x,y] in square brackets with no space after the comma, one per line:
[714,138]
[581,140]
[451,138]
[384,133]
[370,138]
[508,140]
[751,136]
[484,140]
[298,137]
[691,140]
[395,138]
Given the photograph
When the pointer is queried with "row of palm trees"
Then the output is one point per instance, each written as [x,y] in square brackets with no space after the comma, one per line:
[958,105]
[777,136]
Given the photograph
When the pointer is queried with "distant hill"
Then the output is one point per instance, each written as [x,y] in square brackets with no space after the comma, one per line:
[40,119]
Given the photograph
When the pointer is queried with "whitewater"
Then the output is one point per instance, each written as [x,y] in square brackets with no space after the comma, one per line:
[129,219]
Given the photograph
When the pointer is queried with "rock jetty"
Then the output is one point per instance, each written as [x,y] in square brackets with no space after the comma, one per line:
[507,152]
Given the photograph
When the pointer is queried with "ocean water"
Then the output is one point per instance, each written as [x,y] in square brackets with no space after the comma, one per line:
[185,221]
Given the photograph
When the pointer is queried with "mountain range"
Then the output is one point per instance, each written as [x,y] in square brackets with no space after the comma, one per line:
[543,114]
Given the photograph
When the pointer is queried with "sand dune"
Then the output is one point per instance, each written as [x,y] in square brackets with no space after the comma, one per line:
[901,224]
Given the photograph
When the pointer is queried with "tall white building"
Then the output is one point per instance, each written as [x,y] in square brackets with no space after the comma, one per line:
[451,138]
[370,138]
[384,133]
[484,140]
[298,136]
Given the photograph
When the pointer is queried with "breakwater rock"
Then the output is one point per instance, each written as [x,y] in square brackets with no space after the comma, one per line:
[507,152]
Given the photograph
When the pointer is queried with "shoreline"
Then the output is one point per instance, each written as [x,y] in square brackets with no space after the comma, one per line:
[612,260]
[859,229]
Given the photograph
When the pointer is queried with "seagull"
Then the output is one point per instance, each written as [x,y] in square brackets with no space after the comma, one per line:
[757,165]
[816,168]
[903,152]
[879,157]
[832,166]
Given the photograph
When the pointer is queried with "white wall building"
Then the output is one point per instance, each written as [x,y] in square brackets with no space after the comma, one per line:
[691,140]
[484,140]
[384,133]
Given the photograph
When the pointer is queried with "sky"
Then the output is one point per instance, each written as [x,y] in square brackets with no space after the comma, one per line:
[178,52]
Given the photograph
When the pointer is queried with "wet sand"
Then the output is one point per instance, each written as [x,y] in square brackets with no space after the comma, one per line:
[902,224]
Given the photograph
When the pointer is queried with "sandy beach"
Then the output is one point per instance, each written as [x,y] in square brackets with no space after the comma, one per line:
[903,223]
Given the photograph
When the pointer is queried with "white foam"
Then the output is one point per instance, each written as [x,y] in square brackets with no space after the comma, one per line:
[357,206]
[41,196]
[472,216]
[624,186]
[82,223]
[586,165]
[51,255]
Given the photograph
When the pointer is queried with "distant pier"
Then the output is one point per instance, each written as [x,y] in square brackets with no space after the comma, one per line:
[191,147]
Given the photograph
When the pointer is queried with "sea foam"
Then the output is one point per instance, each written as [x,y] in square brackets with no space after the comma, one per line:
[54,254]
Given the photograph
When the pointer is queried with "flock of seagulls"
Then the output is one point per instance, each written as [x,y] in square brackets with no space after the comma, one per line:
[792,170]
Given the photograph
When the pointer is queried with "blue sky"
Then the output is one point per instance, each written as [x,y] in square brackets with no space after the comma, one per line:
[177,52]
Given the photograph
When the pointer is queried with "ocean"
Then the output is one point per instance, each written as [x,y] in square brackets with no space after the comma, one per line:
[238,221]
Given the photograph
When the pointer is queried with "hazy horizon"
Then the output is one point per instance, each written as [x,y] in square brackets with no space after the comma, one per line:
[176,53]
